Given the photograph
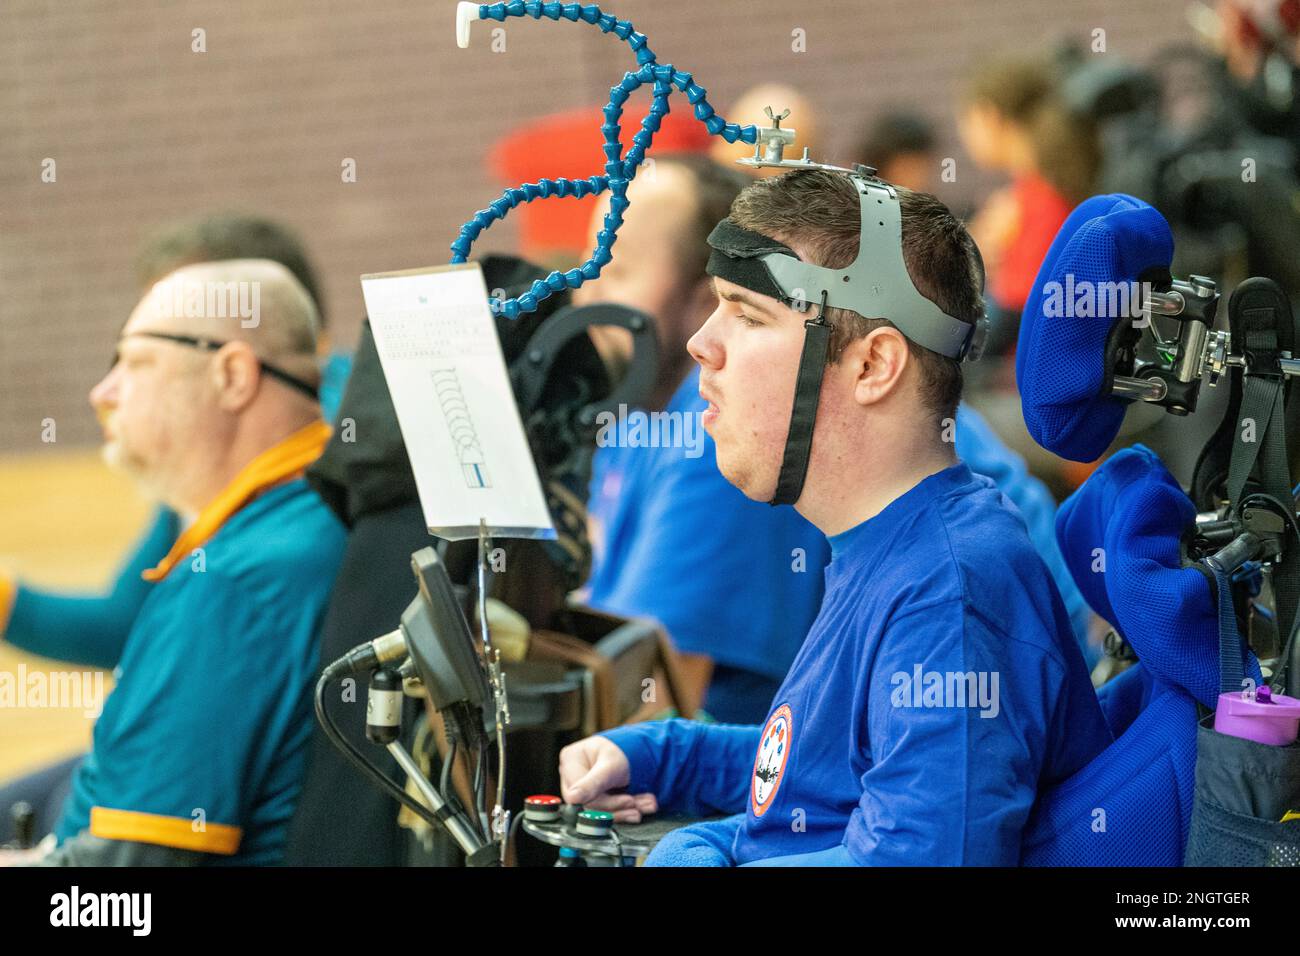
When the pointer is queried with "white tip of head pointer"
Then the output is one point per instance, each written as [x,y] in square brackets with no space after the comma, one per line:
[466,13]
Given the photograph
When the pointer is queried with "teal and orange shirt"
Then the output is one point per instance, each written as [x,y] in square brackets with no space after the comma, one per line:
[202,744]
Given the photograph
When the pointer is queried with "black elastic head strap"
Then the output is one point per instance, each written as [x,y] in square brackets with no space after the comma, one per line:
[736,257]
[877,284]
[211,345]
[803,415]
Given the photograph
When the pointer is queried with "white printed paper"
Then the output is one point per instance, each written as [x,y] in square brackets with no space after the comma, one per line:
[441,356]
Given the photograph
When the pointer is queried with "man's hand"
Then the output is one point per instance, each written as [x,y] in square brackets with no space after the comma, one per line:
[590,769]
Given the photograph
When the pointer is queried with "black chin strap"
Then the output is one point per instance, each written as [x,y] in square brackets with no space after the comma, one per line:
[803,416]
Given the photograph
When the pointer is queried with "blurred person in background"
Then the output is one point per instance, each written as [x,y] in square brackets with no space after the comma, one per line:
[198,754]
[33,615]
[1259,43]
[568,145]
[901,145]
[1013,122]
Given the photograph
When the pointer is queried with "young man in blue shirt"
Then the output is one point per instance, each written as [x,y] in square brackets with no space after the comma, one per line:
[940,686]
[650,501]
[661,511]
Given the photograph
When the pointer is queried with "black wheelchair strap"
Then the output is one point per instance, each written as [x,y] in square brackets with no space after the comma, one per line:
[1264,455]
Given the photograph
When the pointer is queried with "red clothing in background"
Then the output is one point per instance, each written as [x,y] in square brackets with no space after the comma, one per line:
[570,145]
[1041,211]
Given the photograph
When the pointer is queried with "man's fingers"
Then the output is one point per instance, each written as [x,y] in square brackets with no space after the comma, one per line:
[575,792]
[646,803]
[591,768]
[600,778]
[626,807]
[577,773]
[587,788]
[612,802]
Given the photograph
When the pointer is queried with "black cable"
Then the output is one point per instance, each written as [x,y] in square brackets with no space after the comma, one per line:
[444,780]
[514,832]
[460,725]
[382,780]
[1279,679]
[618,843]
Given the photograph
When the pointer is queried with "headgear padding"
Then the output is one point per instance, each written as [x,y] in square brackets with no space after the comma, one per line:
[1065,365]
[1120,535]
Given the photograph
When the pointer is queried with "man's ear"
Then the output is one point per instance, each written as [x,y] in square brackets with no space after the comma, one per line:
[236,374]
[877,363]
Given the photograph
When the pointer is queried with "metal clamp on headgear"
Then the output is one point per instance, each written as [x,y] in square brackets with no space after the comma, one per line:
[876,285]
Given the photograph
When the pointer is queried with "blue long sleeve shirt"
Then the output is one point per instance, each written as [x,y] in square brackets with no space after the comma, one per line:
[752,611]
[939,690]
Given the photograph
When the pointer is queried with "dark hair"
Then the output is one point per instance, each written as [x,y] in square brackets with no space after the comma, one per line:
[818,214]
[227,236]
[1067,145]
[896,134]
[716,188]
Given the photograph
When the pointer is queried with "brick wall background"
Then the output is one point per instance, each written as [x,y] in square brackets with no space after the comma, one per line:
[144,131]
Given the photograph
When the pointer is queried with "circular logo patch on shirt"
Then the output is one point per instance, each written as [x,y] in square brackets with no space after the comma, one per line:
[769,764]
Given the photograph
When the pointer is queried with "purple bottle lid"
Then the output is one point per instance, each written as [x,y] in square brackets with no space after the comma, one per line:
[1263,717]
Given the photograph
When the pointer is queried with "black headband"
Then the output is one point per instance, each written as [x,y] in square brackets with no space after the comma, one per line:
[736,257]
[876,284]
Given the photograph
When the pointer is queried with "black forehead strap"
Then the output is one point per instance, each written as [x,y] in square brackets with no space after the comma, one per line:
[735,257]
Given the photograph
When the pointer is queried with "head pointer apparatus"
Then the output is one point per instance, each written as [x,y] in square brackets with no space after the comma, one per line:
[875,285]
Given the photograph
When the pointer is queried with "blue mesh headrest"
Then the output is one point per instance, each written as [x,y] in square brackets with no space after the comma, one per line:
[1062,365]
[1120,536]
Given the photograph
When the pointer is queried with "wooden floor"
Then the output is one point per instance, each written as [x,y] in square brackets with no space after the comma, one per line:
[65,522]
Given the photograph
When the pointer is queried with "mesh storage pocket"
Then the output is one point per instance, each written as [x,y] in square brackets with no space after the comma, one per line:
[1243,789]
[1220,837]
